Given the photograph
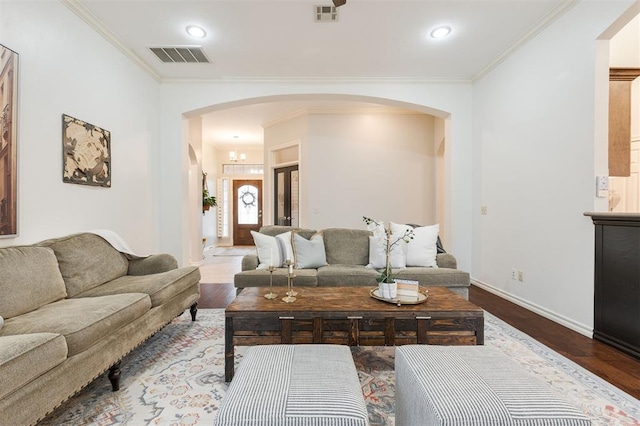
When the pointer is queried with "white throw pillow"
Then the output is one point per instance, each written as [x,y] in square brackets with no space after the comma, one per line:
[378,257]
[272,251]
[309,253]
[285,244]
[421,250]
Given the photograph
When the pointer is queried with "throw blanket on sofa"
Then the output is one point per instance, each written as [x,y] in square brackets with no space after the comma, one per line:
[118,243]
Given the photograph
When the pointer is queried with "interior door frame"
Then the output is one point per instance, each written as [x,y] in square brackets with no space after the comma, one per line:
[287,184]
[275,159]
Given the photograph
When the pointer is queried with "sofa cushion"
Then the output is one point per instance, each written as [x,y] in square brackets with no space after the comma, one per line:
[156,263]
[249,262]
[346,246]
[87,261]
[29,279]
[26,356]
[347,276]
[434,276]
[260,278]
[160,287]
[446,260]
[82,321]
[274,230]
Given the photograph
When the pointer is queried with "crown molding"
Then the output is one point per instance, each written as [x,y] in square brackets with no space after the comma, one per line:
[100,28]
[536,29]
[317,80]
[623,74]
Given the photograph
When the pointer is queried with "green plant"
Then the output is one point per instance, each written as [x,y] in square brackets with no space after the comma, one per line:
[384,234]
[208,200]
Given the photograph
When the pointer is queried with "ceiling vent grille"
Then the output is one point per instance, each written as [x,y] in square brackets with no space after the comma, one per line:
[180,54]
[325,13]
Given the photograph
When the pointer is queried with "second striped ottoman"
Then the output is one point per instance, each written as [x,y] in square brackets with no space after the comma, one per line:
[295,385]
[473,385]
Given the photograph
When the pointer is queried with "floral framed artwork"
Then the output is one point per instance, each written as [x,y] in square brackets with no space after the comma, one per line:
[86,153]
[8,142]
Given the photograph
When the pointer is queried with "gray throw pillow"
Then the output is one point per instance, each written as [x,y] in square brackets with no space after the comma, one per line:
[309,253]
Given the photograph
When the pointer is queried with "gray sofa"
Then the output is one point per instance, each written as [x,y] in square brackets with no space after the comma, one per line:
[347,252]
[73,307]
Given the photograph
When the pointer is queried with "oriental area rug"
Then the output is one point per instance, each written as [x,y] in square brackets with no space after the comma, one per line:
[177,378]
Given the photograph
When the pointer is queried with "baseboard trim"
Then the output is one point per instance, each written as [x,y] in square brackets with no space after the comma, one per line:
[553,316]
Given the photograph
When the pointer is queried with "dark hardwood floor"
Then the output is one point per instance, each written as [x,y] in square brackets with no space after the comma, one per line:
[619,369]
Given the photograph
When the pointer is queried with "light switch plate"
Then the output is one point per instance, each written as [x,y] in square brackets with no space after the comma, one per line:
[602,186]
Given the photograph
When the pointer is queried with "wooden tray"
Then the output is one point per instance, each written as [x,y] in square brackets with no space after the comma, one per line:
[402,301]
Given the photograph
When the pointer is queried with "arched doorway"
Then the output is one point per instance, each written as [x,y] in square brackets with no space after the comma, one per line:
[315,102]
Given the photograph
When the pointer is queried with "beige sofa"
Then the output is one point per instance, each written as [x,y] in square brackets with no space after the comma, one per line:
[347,255]
[73,307]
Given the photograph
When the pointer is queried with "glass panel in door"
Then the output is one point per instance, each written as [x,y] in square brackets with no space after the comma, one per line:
[280,199]
[247,199]
[295,209]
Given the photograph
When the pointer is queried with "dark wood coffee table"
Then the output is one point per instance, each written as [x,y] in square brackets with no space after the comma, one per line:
[348,316]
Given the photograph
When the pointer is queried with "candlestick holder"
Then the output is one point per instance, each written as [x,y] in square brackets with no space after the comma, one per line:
[271,295]
[290,293]
[290,276]
[289,264]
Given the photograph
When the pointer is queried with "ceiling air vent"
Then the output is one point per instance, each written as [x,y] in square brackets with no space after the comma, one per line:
[183,54]
[325,13]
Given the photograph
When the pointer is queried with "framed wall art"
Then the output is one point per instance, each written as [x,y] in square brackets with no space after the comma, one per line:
[8,142]
[86,153]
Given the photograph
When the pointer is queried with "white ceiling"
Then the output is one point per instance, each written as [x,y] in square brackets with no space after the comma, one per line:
[279,40]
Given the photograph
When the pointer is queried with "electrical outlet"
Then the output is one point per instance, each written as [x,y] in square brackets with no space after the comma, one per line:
[514,274]
[483,210]
[520,275]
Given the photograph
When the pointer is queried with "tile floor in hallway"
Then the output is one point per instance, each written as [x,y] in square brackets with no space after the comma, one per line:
[220,264]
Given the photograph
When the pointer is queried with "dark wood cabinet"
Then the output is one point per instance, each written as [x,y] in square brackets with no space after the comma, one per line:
[617,280]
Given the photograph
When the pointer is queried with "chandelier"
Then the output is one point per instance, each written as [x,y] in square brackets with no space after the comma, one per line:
[234,155]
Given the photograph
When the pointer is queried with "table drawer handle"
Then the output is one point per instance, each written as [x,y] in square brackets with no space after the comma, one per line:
[354,317]
[423,318]
[286,318]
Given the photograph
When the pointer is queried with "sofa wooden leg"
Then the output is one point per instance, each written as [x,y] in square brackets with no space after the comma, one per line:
[114,376]
[193,309]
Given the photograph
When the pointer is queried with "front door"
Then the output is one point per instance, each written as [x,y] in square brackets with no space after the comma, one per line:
[247,210]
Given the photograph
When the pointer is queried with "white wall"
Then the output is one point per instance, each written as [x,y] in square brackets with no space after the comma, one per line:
[376,165]
[194,137]
[210,167]
[625,46]
[66,67]
[534,167]
[446,100]
[292,131]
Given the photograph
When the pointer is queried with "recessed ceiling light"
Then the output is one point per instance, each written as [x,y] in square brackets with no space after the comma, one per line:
[195,31]
[441,32]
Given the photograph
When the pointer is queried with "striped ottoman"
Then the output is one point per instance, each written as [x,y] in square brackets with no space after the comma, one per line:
[295,385]
[473,385]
